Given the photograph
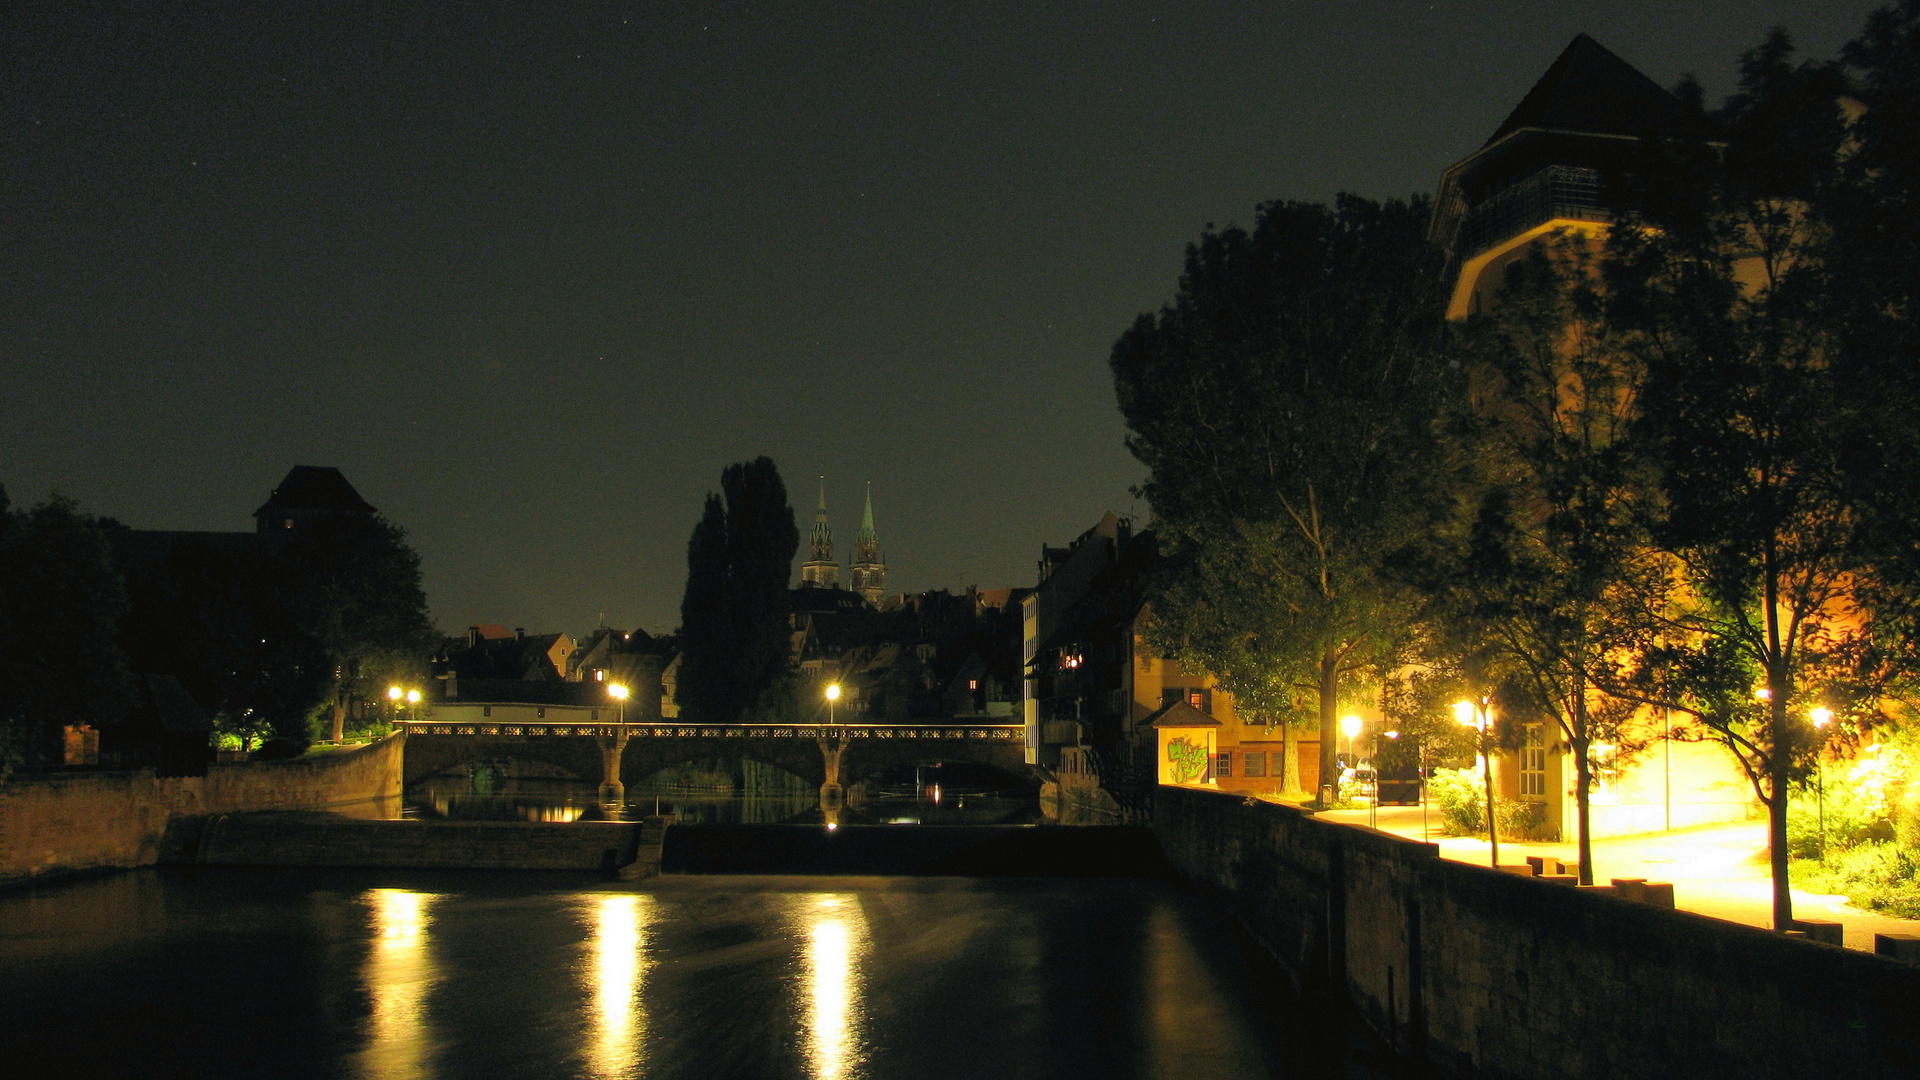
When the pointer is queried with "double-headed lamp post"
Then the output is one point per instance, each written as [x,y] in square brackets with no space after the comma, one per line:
[1821,716]
[1474,715]
[396,696]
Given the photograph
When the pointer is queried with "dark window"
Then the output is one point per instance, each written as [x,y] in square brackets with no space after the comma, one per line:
[1253,763]
[1223,763]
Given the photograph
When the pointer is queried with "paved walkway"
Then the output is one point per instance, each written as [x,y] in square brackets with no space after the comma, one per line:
[1717,870]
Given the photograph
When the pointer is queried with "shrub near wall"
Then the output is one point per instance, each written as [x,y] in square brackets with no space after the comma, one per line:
[1490,975]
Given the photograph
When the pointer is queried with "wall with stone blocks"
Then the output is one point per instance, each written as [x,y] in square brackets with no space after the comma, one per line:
[70,822]
[1490,975]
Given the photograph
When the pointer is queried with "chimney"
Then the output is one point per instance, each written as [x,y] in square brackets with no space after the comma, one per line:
[519,633]
[473,637]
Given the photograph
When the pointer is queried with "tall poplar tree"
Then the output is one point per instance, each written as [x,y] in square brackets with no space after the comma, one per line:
[1284,404]
[733,615]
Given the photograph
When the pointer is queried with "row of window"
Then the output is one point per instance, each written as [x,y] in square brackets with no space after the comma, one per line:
[1252,763]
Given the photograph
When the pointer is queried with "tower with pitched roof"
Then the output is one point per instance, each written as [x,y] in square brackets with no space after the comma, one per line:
[821,570]
[867,574]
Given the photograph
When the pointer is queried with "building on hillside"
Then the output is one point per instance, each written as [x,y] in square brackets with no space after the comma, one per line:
[173,577]
[867,573]
[310,493]
[491,651]
[1564,163]
[821,570]
[1104,707]
[922,656]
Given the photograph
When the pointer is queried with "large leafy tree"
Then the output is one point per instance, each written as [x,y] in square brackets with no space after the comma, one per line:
[60,606]
[1553,589]
[733,615]
[1284,404]
[1724,300]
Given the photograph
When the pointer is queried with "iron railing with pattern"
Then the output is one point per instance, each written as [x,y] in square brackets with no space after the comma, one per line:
[668,730]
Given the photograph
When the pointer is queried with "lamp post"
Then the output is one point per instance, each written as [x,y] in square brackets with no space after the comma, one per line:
[394,694]
[833,695]
[1820,715]
[619,694]
[1474,715]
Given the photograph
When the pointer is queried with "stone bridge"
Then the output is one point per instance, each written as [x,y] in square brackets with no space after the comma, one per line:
[834,756]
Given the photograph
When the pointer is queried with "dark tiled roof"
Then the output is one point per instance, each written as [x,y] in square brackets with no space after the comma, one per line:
[1181,714]
[1589,89]
[315,487]
[527,692]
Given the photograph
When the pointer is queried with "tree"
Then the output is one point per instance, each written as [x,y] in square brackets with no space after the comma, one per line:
[733,615]
[1721,295]
[1284,404]
[353,587]
[1555,581]
[266,630]
[60,603]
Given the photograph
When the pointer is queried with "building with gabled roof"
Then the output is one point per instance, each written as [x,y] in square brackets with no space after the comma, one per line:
[310,493]
[1560,161]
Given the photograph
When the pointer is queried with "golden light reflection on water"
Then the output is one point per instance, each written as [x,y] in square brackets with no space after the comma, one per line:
[615,979]
[836,935]
[399,974]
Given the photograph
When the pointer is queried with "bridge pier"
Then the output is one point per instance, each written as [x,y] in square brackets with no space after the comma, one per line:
[613,794]
[833,795]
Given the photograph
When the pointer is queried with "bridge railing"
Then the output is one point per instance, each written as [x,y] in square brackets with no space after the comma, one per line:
[670,730]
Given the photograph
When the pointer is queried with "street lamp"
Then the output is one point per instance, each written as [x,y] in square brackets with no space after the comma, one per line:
[1474,715]
[619,694]
[833,695]
[1820,715]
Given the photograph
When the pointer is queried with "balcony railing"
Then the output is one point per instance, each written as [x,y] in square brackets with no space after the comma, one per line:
[1558,191]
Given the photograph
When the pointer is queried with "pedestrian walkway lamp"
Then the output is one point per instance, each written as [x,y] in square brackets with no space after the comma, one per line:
[1820,717]
[833,695]
[1474,715]
[619,694]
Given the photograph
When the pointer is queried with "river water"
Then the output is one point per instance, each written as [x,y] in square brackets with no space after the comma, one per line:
[222,973]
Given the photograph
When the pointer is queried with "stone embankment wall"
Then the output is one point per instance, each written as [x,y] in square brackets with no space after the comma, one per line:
[71,822]
[1489,975]
[629,848]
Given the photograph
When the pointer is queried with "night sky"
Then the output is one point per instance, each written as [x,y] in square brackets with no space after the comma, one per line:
[532,275]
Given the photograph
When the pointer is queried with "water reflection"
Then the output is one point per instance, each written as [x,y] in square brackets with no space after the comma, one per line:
[399,973]
[615,979]
[836,936]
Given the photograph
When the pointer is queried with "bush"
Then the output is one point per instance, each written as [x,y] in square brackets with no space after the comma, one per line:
[1461,796]
[1875,875]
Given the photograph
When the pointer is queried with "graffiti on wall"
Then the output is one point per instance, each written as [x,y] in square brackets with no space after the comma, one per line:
[1186,760]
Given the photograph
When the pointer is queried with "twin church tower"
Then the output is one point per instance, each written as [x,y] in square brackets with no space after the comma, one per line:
[866,574]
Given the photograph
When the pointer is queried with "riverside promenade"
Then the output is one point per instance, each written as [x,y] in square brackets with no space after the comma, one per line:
[1717,870]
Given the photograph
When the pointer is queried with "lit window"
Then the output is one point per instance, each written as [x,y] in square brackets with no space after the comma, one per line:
[973,684]
[1533,763]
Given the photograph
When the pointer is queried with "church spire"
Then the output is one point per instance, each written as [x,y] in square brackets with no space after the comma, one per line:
[821,569]
[867,573]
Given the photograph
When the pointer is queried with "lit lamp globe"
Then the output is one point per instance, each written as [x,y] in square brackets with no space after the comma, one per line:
[617,692]
[1350,727]
[1463,712]
[1820,716]
[413,697]
[393,693]
[833,695]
